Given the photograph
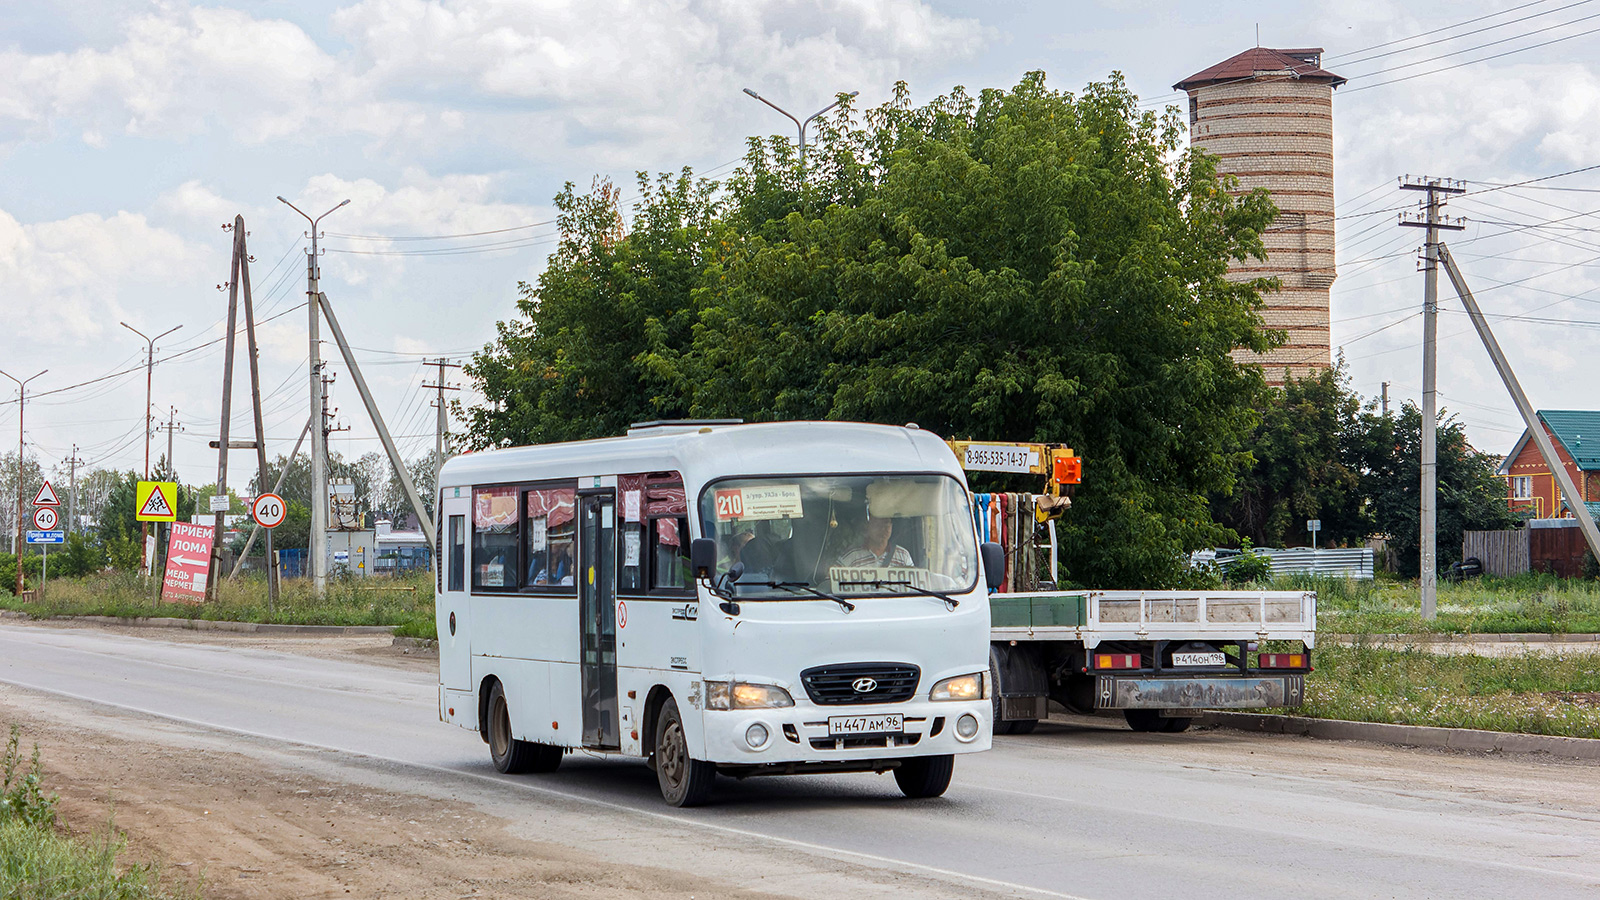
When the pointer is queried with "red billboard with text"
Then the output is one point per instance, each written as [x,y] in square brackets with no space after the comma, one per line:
[188,559]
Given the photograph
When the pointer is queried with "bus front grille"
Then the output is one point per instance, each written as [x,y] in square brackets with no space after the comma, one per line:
[842,684]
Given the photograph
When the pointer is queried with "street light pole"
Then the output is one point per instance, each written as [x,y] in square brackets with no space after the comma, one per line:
[319,436]
[799,124]
[22,404]
[149,380]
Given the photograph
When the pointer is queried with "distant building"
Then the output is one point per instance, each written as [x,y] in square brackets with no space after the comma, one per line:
[1267,115]
[1530,484]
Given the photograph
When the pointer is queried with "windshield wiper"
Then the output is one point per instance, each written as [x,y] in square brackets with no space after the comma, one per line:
[801,587]
[926,592]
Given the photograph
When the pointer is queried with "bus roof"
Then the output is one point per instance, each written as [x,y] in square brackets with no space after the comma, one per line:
[716,451]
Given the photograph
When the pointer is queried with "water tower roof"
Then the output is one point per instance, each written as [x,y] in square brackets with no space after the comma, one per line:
[1304,64]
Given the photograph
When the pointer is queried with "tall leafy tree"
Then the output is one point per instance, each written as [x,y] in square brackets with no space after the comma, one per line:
[1020,265]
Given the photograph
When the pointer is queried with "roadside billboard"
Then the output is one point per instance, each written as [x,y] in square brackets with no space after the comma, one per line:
[188,559]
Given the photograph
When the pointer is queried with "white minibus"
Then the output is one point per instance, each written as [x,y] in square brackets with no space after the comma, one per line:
[718,598]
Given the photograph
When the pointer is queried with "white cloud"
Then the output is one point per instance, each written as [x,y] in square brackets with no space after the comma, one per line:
[67,279]
[537,75]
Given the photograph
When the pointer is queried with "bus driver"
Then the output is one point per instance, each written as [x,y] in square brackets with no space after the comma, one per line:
[875,550]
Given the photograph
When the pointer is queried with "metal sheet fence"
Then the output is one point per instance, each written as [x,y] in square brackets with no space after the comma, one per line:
[1333,562]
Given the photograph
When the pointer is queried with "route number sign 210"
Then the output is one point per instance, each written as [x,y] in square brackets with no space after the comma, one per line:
[269,510]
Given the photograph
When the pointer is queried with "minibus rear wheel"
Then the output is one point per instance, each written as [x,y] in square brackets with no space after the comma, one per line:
[925,776]
[685,781]
[510,755]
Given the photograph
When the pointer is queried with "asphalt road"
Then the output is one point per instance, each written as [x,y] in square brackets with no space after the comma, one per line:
[1086,811]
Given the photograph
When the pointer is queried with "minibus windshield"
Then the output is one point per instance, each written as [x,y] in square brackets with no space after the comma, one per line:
[847,535]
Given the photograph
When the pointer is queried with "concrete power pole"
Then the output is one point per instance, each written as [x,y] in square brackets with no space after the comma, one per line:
[73,462]
[22,405]
[317,552]
[440,435]
[1386,399]
[1428,574]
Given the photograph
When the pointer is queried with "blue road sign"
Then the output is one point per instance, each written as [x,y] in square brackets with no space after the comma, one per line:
[47,537]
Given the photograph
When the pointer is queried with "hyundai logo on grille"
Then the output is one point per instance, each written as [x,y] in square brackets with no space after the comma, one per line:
[864,685]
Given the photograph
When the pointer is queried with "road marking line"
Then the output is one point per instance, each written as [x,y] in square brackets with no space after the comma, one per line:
[505,782]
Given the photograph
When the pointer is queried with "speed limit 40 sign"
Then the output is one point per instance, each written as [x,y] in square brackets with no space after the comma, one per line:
[45,518]
[269,510]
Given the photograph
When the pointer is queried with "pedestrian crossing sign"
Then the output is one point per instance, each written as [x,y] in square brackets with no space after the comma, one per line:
[156,501]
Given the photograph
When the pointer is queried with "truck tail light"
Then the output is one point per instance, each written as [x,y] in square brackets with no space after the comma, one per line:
[1116,660]
[1284,661]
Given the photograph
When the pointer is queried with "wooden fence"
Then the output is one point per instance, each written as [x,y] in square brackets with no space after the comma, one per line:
[1502,552]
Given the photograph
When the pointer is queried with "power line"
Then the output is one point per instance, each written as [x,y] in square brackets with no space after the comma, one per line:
[1456,37]
[1470,61]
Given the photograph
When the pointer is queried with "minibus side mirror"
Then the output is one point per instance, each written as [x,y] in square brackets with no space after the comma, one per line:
[994,564]
[703,557]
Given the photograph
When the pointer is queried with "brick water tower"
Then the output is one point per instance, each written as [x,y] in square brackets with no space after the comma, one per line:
[1267,115]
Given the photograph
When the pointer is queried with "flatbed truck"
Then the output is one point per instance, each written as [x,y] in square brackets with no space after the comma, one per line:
[1160,657]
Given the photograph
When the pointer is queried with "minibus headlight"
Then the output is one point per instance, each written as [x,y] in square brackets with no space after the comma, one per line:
[744,695]
[961,687]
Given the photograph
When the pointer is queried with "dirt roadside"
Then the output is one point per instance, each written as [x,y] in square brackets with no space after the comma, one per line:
[245,830]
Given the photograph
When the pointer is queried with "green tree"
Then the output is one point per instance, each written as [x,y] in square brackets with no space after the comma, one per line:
[1470,496]
[1309,453]
[1020,265]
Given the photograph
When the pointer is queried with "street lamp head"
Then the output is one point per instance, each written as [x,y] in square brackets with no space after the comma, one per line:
[752,93]
[345,202]
[855,93]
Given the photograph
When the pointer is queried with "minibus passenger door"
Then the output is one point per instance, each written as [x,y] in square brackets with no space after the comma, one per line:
[597,607]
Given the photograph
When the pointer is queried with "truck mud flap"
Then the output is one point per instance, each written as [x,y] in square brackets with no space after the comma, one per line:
[1131,692]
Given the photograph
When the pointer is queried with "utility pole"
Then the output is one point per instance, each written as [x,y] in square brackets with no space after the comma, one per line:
[239,280]
[440,434]
[73,462]
[170,428]
[149,378]
[22,405]
[799,124]
[1436,189]
[1386,399]
[317,552]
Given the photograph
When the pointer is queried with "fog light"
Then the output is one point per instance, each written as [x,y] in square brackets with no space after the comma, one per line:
[967,727]
[757,736]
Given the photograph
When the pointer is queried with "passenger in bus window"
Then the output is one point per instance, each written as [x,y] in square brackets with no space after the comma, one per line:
[875,549]
[559,571]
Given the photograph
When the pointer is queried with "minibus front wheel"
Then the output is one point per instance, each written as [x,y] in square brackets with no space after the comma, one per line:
[685,781]
[511,756]
[925,776]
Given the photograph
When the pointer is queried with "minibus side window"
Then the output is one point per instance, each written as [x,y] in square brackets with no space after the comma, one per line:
[631,558]
[495,527]
[550,539]
[458,552]
[669,554]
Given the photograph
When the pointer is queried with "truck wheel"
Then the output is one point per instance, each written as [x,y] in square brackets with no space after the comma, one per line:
[684,781]
[925,776]
[1149,720]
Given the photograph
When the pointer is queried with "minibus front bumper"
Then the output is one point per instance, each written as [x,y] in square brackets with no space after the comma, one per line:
[802,734]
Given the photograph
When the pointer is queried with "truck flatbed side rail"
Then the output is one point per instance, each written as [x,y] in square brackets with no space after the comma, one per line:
[1096,616]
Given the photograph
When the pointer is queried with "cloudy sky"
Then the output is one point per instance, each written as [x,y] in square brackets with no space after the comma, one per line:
[131,132]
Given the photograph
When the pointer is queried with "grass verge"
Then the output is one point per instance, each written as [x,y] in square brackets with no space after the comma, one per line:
[37,861]
[1527,694]
[1539,604]
[405,601]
